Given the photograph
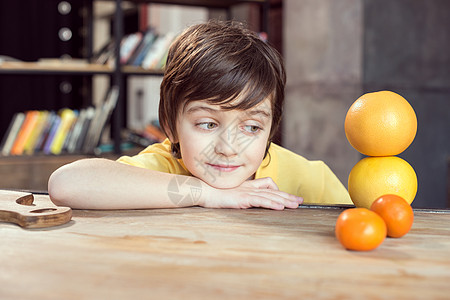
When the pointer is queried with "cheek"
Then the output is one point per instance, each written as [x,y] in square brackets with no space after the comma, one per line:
[256,150]
[191,146]
[260,149]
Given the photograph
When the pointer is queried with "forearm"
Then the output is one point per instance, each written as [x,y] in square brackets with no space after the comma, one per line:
[105,184]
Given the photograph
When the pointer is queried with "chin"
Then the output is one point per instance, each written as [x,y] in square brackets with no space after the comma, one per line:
[222,183]
[219,184]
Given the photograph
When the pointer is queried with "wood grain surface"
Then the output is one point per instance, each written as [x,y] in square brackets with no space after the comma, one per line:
[197,253]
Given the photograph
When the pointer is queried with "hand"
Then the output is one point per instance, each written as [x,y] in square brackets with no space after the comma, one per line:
[261,192]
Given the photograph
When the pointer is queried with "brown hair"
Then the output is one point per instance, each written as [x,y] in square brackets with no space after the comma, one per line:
[218,62]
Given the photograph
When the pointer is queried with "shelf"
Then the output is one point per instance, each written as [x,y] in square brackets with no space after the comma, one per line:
[132,70]
[31,68]
[222,4]
[51,68]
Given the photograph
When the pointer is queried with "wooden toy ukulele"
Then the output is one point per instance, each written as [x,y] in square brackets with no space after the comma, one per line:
[20,208]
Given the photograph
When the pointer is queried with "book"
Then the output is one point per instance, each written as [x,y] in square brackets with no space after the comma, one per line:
[39,147]
[25,132]
[88,146]
[138,56]
[129,45]
[70,132]
[139,139]
[11,133]
[105,53]
[51,135]
[155,133]
[71,140]
[154,58]
[68,116]
[36,132]
[81,140]
[100,119]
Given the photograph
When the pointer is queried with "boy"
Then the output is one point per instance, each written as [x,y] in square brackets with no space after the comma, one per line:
[221,103]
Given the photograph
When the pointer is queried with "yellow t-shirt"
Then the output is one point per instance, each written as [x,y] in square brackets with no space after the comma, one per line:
[294,174]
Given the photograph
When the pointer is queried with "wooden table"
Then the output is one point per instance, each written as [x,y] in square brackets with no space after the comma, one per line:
[198,253]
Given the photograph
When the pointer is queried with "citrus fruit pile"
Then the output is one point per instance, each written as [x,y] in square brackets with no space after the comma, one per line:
[382,186]
[362,229]
[381,125]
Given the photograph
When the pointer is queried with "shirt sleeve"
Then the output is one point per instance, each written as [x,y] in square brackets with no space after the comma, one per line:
[157,157]
[152,161]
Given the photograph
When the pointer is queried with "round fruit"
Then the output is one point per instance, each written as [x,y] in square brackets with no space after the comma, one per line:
[380,124]
[396,213]
[360,229]
[373,177]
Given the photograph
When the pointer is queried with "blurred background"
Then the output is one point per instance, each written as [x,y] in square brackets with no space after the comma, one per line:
[335,51]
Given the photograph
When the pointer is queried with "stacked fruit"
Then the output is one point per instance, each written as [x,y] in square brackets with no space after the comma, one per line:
[382,186]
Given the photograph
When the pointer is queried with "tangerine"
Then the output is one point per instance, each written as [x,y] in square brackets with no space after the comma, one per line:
[380,124]
[373,177]
[360,229]
[396,213]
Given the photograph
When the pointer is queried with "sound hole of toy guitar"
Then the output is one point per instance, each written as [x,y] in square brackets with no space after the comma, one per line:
[43,210]
[27,200]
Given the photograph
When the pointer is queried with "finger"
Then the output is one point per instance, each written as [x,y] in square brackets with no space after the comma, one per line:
[264,183]
[288,200]
[276,194]
[265,203]
[275,201]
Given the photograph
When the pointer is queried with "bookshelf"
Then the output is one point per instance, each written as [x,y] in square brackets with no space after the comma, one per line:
[118,73]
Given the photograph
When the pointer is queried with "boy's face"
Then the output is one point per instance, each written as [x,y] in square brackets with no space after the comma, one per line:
[223,147]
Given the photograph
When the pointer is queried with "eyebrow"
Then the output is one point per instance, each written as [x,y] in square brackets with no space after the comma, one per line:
[196,108]
[262,112]
[252,112]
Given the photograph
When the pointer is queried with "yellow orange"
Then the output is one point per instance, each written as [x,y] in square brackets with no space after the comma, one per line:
[380,124]
[373,177]
[360,229]
[396,213]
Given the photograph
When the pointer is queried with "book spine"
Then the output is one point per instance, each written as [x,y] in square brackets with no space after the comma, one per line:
[147,43]
[39,147]
[12,133]
[81,141]
[51,134]
[69,134]
[25,132]
[100,120]
[36,132]
[68,116]
[155,132]
[154,57]
[129,46]
[76,132]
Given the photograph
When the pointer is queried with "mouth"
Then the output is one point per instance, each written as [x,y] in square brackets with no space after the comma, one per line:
[223,167]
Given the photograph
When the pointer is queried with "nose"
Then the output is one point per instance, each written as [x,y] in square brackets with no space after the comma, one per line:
[226,143]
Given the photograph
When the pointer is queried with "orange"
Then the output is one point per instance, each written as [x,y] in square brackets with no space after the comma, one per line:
[360,229]
[396,213]
[373,177]
[380,124]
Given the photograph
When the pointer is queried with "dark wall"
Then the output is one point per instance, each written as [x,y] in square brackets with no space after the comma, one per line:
[407,50]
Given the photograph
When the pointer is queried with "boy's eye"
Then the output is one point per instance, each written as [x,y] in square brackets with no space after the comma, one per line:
[252,128]
[207,125]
